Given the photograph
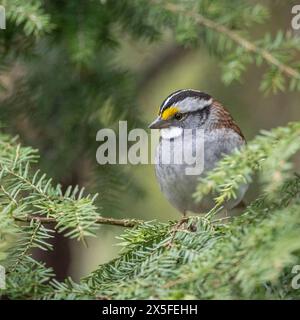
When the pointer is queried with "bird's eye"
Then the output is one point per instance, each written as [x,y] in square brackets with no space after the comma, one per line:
[178,116]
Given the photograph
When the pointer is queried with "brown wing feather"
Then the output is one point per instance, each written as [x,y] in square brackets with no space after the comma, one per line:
[223,119]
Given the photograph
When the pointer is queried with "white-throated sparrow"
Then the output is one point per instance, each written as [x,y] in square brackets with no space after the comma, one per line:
[192,109]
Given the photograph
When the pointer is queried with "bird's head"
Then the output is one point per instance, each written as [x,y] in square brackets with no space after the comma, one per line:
[193,109]
[186,109]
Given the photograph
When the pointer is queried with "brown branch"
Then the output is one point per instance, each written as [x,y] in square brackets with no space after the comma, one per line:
[246,44]
[129,223]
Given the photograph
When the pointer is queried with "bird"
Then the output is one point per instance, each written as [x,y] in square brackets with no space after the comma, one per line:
[193,109]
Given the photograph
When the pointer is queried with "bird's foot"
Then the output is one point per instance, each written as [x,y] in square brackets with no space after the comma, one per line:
[177,227]
[180,223]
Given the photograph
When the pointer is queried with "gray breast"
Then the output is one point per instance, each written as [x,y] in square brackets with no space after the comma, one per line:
[175,184]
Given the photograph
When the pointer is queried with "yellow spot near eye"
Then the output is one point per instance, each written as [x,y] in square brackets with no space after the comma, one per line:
[168,113]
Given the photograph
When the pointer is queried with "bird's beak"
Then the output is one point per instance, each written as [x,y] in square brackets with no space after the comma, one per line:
[159,123]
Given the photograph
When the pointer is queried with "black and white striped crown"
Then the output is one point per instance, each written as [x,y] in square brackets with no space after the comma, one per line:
[203,99]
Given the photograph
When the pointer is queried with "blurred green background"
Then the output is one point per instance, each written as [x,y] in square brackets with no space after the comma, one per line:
[71,84]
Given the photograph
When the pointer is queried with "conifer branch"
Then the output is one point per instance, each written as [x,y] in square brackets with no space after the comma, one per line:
[127,223]
[238,39]
[27,247]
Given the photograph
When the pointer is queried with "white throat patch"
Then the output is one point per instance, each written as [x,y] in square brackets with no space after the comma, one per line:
[171,132]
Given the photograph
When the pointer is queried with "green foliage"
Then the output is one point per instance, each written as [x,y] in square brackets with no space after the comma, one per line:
[250,257]
[224,28]
[24,193]
[25,197]
[271,147]
[67,77]
[30,16]
[26,21]
[67,85]
[29,280]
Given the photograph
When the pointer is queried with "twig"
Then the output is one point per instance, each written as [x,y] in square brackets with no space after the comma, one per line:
[28,246]
[246,44]
[173,283]
[129,223]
